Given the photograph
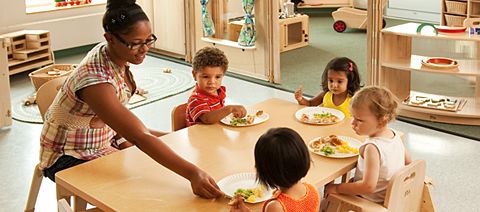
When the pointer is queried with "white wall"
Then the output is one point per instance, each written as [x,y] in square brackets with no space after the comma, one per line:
[418,10]
[68,28]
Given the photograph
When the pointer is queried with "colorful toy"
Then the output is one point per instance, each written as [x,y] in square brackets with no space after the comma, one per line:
[346,17]
[64,3]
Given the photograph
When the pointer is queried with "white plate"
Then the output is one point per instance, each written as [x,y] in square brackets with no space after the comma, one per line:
[309,111]
[351,142]
[258,119]
[233,182]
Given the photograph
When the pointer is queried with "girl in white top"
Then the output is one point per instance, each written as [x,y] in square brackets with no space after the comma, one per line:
[382,153]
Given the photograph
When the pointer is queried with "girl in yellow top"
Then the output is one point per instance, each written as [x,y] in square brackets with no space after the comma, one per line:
[340,81]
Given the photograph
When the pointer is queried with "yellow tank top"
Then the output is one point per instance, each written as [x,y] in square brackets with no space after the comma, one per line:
[344,107]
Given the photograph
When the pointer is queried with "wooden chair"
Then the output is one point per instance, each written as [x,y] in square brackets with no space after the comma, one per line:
[47,92]
[45,95]
[405,192]
[179,120]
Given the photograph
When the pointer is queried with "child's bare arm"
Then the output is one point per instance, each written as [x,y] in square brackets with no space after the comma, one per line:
[369,182]
[215,116]
[408,157]
[315,101]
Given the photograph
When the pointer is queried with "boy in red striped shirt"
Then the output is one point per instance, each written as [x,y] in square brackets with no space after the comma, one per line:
[206,103]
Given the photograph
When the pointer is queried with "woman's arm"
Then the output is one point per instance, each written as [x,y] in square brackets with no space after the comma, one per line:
[102,100]
[370,178]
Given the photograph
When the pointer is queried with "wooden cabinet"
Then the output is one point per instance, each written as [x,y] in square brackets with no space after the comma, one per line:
[5,104]
[26,50]
[454,12]
[293,32]
[397,62]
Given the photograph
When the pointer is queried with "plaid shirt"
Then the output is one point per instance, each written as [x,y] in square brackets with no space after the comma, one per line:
[67,130]
[201,102]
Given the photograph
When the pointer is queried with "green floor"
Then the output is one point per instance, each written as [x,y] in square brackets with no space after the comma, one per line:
[305,66]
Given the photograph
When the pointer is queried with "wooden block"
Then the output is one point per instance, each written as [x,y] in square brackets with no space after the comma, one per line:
[18,45]
[31,44]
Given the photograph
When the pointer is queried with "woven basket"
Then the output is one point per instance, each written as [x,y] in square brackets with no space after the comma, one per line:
[456,7]
[50,72]
[454,20]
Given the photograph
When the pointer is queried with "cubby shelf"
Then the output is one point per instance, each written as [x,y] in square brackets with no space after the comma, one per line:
[397,62]
[27,49]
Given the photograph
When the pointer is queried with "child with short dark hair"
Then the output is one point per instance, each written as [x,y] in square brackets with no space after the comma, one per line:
[340,81]
[281,161]
[207,101]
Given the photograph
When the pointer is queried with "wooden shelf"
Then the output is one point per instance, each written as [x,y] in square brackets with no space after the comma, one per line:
[410,30]
[465,68]
[397,63]
[458,14]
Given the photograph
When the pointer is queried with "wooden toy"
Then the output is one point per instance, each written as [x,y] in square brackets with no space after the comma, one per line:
[346,17]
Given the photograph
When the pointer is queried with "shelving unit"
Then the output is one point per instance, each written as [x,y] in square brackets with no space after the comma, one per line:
[454,12]
[397,62]
[293,31]
[27,49]
[325,3]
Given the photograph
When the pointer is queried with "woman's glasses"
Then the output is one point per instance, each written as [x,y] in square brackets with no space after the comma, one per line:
[134,46]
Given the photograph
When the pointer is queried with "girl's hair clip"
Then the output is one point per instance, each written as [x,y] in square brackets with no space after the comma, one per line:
[350,67]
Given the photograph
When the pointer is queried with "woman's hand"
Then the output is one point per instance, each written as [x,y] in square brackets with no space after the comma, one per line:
[204,186]
[238,205]
[330,189]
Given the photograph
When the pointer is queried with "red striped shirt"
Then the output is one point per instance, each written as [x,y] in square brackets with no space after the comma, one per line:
[201,102]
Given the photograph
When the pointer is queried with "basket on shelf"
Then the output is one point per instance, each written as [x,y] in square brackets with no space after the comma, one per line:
[454,20]
[50,72]
[456,7]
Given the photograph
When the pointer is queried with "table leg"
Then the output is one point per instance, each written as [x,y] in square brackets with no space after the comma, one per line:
[79,204]
[63,193]
[346,177]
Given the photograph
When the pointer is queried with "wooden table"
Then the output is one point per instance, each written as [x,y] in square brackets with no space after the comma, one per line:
[131,181]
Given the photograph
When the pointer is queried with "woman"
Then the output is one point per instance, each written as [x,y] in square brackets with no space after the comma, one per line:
[88,116]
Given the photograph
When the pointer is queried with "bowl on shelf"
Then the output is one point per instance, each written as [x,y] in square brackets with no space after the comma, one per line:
[451,29]
[440,63]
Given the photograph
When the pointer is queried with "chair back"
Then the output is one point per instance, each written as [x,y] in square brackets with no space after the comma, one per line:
[47,92]
[179,119]
[405,189]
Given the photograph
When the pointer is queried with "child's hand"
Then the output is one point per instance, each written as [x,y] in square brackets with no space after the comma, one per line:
[299,94]
[237,204]
[204,186]
[238,111]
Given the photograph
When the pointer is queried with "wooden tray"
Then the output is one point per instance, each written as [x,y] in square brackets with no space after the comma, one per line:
[435,102]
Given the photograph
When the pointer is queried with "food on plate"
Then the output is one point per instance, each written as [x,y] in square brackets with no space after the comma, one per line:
[449,105]
[324,117]
[437,100]
[434,104]
[332,144]
[259,113]
[327,150]
[250,194]
[249,119]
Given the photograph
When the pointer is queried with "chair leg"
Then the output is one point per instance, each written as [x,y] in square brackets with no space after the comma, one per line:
[34,189]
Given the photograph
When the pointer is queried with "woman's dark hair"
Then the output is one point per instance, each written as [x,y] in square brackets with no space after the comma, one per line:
[281,158]
[343,64]
[121,15]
